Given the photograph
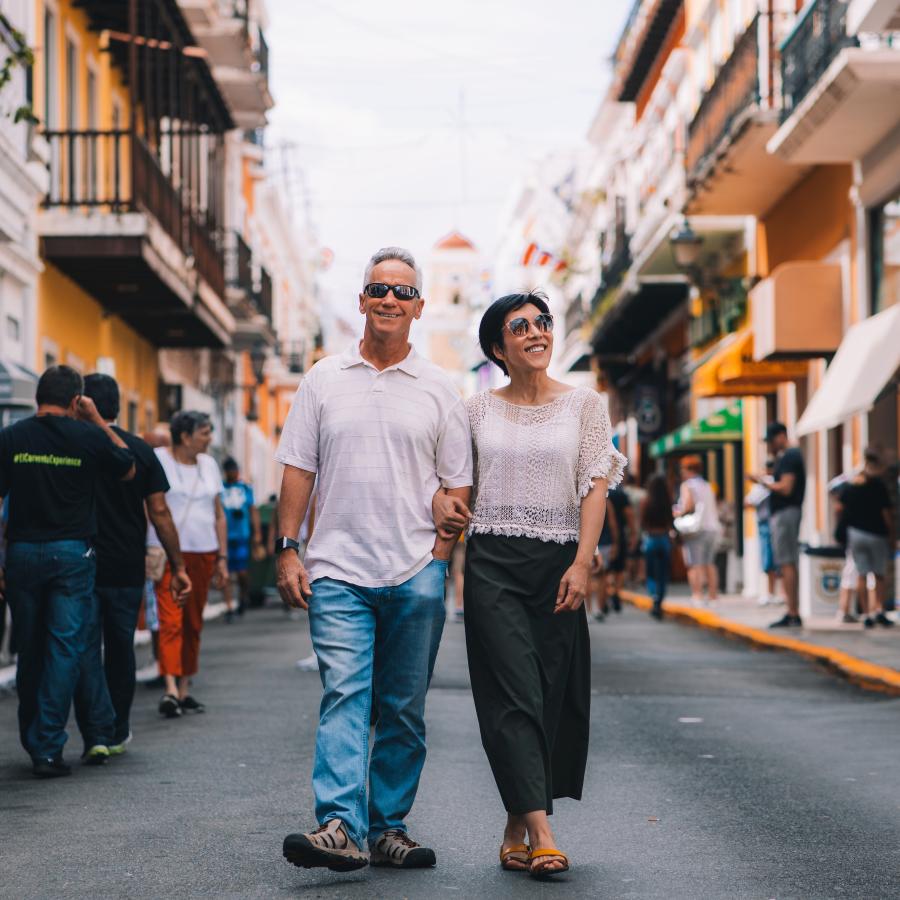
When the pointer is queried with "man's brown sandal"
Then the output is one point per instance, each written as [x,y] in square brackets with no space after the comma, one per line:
[542,858]
[515,858]
[328,846]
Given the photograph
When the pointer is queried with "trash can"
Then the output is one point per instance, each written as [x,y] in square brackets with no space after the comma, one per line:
[820,580]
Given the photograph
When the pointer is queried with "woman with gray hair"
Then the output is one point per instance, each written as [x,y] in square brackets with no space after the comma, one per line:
[195,485]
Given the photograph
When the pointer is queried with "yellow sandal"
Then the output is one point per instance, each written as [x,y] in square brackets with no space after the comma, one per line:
[548,854]
[518,854]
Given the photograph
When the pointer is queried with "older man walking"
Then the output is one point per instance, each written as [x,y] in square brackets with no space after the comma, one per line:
[383,430]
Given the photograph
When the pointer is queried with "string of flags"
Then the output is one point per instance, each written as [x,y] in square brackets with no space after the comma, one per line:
[535,255]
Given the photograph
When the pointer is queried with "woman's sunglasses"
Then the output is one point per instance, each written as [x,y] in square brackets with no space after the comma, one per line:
[378,291]
[543,324]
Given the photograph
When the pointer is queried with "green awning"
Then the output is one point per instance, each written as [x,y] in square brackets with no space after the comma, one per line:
[725,425]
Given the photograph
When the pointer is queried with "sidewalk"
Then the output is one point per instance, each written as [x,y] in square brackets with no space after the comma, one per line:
[867,657]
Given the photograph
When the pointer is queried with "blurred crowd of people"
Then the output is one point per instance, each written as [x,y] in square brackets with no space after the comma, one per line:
[106,531]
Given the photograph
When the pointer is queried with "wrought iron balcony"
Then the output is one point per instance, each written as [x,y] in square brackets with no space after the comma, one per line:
[239,264]
[818,36]
[113,172]
[704,328]
[263,295]
[732,304]
[733,93]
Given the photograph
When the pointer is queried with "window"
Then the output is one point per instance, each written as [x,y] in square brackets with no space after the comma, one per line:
[51,75]
[132,416]
[13,329]
[49,360]
[71,85]
[93,124]
[884,247]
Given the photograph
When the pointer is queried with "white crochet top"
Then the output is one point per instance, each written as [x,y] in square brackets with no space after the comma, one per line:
[534,464]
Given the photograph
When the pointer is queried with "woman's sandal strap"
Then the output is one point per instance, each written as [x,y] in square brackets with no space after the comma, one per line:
[514,854]
[549,851]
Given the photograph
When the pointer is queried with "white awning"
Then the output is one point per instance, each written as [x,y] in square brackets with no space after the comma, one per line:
[865,362]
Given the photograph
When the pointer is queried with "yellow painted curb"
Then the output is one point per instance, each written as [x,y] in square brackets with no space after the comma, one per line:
[865,674]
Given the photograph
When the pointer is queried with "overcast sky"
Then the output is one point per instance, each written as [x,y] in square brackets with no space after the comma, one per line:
[404,119]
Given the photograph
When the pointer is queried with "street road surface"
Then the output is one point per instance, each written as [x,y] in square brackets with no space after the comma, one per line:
[716,771]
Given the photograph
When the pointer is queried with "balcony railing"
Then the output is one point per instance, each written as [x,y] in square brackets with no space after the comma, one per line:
[735,89]
[239,264]
[704,328]
[112,172]
[817,38]
[262,55]
[732,304]
[263,296]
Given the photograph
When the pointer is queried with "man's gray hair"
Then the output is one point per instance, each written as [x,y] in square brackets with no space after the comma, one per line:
[398,253]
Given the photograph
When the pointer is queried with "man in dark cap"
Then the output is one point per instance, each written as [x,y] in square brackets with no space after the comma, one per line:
[787,486]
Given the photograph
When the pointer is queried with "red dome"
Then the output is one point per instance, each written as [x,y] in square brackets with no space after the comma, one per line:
[454,241]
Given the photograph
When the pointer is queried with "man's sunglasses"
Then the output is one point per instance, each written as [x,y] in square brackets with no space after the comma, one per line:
[378,291]
[520,325]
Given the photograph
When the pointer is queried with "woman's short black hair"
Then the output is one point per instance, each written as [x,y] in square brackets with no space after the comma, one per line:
[490,331]
[187,422]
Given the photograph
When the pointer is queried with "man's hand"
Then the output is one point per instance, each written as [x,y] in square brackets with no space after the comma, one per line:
[87,411]
[573,588]
[180,586]
[293,580]
[220,578]
[450,514]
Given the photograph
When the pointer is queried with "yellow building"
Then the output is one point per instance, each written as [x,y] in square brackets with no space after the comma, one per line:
[130,228]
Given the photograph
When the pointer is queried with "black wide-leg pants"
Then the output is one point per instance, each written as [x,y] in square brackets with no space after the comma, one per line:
[529,668]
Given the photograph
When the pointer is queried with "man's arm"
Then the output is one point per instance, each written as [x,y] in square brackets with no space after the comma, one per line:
[87,412]
[443,544]
[784,485]
[160,516]
[296,489]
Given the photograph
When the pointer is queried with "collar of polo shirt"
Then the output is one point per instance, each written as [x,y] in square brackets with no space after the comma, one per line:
[411,365]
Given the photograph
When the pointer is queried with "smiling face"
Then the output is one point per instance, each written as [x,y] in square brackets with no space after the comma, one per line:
[390,317]
[529,353]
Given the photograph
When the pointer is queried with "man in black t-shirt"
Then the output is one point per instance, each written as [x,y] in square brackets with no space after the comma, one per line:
[787,487]
[49,467]
[106,687]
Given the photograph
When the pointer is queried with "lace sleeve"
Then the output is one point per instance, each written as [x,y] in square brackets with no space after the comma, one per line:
[476,406]
[597,457]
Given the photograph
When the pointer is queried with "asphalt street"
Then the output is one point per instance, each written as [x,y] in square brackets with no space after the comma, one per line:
[716,771]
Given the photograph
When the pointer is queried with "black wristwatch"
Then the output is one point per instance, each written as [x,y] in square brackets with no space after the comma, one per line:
[286,543]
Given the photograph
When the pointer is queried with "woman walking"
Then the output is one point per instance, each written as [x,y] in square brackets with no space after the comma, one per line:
[544,462]
[866,511]
[656,524]
[195,486]
[696,499]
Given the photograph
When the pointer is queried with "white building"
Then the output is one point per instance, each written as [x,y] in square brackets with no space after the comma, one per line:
[23,181]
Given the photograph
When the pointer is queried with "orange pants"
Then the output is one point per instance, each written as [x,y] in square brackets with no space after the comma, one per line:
[180,627]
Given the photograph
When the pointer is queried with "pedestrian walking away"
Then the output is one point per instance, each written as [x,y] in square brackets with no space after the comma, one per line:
[658,527]
[544,461]
[244,536]
[50,465]
[195,487]
[787,487]
[866,512]
[698,524]
[383,430]
[105,688]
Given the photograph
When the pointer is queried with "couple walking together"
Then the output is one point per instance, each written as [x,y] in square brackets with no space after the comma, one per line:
[398,459]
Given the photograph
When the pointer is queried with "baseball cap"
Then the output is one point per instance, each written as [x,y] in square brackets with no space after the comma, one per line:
[773,429]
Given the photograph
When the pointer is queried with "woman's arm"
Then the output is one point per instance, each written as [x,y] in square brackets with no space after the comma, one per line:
[221,575]
[685,500]
[574,585]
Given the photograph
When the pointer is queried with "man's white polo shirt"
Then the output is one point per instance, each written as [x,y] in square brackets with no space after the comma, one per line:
[382,443]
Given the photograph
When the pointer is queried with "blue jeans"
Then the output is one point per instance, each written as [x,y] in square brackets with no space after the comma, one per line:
[50,588]
[657,553]
[106,686]
[381,640]
[767,558]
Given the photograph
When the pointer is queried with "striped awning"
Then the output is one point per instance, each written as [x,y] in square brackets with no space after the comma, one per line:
[719,428]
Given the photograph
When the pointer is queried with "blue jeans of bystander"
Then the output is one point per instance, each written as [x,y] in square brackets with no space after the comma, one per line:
[381,640]
[50,588]
[657,553]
